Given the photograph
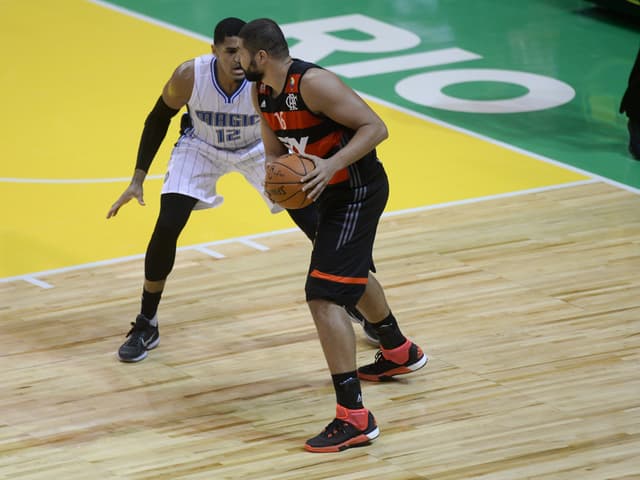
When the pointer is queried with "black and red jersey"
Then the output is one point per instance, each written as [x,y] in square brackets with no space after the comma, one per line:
[303,131]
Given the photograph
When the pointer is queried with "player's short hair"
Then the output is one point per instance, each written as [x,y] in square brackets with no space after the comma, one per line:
[264,34]
[229,27]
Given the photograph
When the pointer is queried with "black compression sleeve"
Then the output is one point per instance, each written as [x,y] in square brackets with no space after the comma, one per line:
[155,129]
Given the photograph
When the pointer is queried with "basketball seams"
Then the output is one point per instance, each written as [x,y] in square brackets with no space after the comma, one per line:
[288,168]
[293,195]
[302,164]
[300,160]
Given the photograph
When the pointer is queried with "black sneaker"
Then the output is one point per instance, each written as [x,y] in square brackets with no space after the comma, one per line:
[369,333]
[141,338]
[350,428]
[409,358]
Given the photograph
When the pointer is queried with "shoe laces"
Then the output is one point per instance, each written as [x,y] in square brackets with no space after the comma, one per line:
[335,427]
[379,357]
[136,333]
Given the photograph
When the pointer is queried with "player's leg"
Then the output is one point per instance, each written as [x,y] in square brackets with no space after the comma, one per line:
[175,210]
[398,355]
[373,303]
[191,179]
[338,275]
[357,315]
[307,220]
[353,424]
[159,260]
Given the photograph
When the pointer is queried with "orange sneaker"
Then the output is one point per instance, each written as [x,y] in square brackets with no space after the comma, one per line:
[406,358]
[350,428]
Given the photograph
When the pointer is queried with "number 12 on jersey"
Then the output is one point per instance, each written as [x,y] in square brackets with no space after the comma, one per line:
[227,134]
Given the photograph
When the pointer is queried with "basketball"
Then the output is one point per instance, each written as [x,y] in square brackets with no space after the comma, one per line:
[282,180]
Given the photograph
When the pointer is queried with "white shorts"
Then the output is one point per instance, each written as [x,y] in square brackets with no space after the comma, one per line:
[195,168]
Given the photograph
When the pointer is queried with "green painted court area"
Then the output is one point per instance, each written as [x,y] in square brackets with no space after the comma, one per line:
[570,42]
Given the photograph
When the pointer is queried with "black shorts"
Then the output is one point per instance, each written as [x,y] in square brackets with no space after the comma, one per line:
[342,253]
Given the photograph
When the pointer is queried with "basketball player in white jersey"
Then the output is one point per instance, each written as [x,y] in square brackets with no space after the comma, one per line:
[220,134]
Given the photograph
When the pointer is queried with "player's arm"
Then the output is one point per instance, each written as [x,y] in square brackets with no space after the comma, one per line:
[324,93]
[175,95]
[273,148]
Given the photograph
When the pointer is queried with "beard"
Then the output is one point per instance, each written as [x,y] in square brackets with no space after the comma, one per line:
[252,74]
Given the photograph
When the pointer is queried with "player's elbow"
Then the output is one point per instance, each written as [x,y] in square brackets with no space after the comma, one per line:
[382,132]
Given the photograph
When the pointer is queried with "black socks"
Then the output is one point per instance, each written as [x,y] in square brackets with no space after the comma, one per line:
[389,333]
[348,392]
[150,302]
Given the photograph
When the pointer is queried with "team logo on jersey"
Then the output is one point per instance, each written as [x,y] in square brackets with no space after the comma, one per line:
[292,101]
[295,144]
[263,104]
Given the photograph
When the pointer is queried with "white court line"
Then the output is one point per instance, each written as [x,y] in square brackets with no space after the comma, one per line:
[208,251]
[252,244]
[249,239]
[36,282]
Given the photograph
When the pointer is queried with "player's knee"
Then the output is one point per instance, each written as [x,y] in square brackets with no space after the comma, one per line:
[166,229]
[161,252]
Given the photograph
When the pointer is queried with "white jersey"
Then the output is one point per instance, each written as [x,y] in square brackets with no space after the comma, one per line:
[224,121]
[225,138]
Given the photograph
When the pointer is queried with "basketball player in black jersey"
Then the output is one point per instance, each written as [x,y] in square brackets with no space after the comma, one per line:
[311,111]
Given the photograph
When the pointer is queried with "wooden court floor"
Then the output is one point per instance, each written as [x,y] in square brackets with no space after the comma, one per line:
[528,307]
